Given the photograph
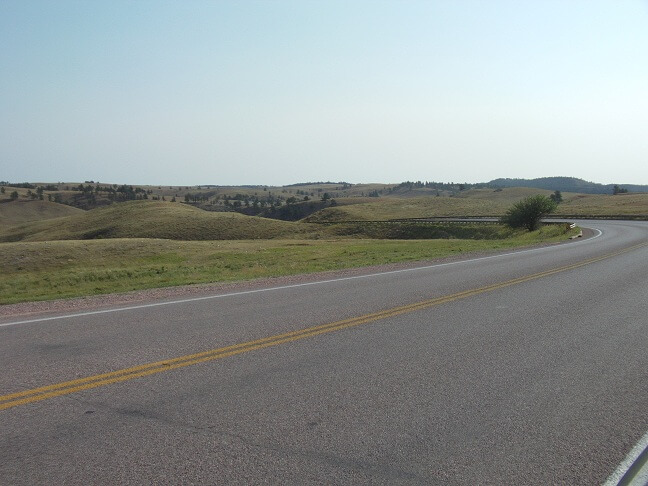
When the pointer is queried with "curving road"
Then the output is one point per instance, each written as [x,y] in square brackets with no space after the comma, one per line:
[528,367]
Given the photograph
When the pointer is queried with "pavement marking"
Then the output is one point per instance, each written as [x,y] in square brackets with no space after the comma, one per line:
[65,388]
[283,287]
[633,470]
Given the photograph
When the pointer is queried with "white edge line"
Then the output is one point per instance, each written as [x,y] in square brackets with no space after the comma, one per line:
[283,287]
[627,463]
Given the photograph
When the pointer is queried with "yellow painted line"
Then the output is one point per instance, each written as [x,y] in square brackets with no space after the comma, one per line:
[64,388]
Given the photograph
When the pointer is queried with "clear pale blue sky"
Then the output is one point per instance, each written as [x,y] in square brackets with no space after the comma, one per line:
[277,92]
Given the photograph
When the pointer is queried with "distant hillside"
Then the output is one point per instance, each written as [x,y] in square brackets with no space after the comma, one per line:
[23,211]
[630,204]
[152,219]
[471,202]
[566,184]
[482,202]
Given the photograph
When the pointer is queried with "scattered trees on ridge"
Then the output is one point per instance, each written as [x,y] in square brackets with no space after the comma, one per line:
[618,190]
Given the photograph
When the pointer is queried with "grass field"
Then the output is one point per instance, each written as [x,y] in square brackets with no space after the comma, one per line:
[481,202]
[478,202]
[604,205]
[150,219]
[176,221]
[55,251]
[23,211]
[32,271]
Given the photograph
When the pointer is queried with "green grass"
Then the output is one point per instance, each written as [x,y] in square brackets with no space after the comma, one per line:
[60,269]
[42,221]
[176,221]
[147,244]
[418,230]
[150,219]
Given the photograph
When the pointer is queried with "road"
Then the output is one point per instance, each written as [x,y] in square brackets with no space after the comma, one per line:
[527,367]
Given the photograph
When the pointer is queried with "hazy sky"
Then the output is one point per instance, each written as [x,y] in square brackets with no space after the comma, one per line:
[278,92]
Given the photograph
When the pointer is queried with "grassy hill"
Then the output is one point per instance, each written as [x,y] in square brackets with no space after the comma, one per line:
[90,194]
[566,184]
[143,244]
[23,211]
[629,204]
[35,220]
[474,202]
[152,219]
[482,202]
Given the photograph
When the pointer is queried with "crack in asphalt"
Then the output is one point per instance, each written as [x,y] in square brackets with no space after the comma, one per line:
[383,471]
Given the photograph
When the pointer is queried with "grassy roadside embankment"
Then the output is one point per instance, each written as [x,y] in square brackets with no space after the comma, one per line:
[32,271]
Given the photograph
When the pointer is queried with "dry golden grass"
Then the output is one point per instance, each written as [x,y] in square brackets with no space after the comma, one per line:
[481,202]
[23,211]
[152,219]
[604,204]
[422,207]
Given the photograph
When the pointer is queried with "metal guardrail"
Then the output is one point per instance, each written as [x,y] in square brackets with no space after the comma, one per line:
[430,221]
[627,217]
[485,219]
[394,222]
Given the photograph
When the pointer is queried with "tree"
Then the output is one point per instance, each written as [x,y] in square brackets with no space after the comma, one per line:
[14,195]
[528,212]
[556,197]
[618,190]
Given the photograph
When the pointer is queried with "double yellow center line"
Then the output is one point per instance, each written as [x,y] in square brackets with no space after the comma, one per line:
[64,388]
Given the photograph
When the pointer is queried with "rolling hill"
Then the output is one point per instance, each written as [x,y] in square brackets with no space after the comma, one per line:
[566,184]
[484,202]
[23,211]
[473,202]
[152,219]
[630,204]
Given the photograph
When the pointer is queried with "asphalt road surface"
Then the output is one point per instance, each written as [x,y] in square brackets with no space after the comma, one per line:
[529,367]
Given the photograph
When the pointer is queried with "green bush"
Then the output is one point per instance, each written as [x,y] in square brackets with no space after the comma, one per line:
[528,212]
